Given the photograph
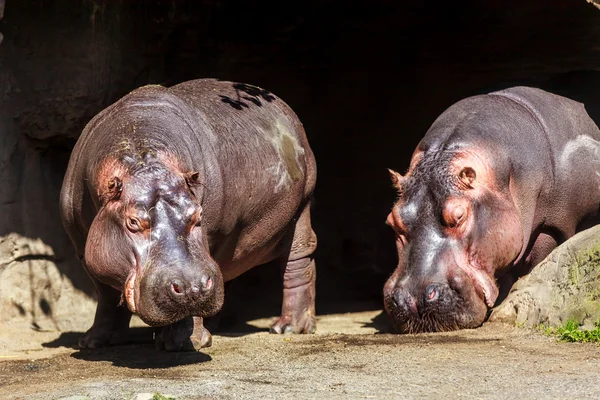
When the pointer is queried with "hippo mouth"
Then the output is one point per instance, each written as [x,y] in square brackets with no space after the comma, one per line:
[129,292]
[485,286]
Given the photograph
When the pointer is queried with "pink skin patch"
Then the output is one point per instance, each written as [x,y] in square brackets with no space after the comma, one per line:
[130,291]
[484,284]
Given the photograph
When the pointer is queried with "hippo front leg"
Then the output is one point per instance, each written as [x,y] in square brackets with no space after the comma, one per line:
[299,278]
[189,334]
[111,322]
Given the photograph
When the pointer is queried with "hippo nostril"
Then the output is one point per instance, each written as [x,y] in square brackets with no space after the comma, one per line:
[206,283]
[405,301]
[196,290]
[192,290]
[431,292]
[398,298]
[177,288]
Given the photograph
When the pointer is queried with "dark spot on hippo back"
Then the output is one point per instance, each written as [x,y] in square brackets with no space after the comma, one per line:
[237,104]
[246,94]
[254,91]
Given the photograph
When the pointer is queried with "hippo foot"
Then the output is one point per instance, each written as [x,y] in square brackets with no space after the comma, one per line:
[184,335]
[286,324]
[298,308]
[98,337]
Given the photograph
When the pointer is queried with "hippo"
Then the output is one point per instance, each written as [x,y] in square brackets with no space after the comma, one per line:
[171,192]
[497,182]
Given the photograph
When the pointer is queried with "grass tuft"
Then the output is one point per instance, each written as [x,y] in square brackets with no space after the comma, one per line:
[572,332]
[158,396]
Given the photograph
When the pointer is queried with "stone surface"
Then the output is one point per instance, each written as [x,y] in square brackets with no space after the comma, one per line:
[565,286]
[496,361]
[33,288]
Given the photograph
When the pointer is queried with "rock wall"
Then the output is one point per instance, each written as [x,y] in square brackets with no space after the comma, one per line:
[367,79]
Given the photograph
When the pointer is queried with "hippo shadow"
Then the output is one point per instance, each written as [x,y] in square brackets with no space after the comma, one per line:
[381,322]
[246,95]
[138,353]
[141,357]
[66,339]
[230,325]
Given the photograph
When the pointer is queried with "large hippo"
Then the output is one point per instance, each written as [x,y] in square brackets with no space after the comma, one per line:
[498,181]
[170,192]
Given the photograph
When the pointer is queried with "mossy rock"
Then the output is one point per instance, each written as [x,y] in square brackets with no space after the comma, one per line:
[564,287]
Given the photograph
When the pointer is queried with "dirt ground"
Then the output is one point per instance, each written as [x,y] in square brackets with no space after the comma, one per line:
[495,361]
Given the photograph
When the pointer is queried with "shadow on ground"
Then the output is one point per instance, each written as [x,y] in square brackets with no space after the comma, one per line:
[138,353]
[141,357]
[138,336]
[381,323]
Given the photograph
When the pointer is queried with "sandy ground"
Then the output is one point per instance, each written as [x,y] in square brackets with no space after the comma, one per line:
[492,362]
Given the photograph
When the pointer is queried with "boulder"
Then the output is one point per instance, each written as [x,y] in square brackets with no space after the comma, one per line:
[565,286]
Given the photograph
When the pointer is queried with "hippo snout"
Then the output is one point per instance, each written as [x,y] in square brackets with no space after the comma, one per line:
[433,294]
[432,307]
[185,285]
[167,293]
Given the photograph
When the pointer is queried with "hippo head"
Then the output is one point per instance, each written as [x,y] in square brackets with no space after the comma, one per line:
[147,240]
[456,230]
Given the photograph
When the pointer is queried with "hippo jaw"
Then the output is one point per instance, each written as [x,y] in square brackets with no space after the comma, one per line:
[145,296]
[484,284]
[463,273]
[458,299]
[129,292]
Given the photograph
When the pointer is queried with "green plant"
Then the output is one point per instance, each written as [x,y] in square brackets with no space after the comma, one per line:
[127,395]
[572,332]
[158,396]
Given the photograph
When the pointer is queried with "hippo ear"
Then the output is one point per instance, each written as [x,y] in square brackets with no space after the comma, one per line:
[113,190]
[192,178]
[397,179]
[467,176]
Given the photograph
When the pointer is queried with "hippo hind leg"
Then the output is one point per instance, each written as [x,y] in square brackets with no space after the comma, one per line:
[299,277]
[189,334]
[111,322]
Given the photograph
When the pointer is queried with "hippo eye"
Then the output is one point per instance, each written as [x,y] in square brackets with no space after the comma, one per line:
[133,224]
[459,213]
[454,214]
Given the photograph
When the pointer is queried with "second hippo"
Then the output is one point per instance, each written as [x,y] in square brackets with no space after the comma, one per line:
[498,181]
